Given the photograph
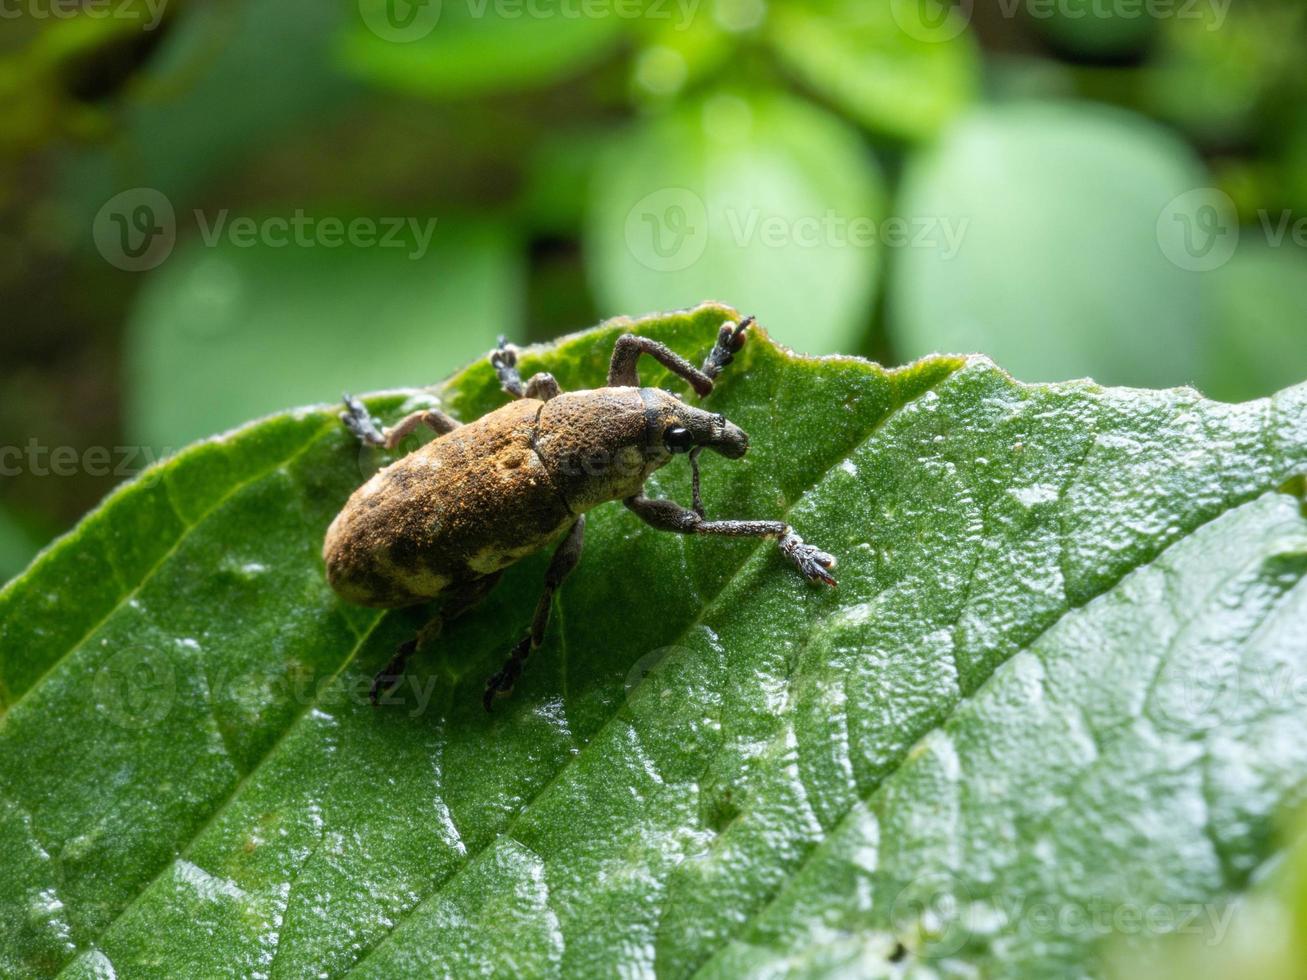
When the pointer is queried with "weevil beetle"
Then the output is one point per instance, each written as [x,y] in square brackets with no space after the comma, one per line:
[447,519]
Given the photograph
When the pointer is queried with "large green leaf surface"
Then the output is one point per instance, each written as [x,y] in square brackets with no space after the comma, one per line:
[1041,681]
[1070,242]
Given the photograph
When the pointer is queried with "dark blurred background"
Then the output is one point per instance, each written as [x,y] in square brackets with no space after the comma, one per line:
[213,210]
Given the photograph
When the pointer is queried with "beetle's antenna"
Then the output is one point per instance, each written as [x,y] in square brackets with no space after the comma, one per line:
[696,500]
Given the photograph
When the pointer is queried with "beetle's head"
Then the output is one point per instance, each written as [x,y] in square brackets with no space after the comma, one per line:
[692,428]
[674,427]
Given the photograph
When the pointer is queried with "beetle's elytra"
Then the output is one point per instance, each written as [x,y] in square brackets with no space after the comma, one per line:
[447,519]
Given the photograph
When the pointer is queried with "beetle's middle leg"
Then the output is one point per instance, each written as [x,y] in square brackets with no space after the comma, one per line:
[666,515]
[454,606]
[365,427]
[560,566]
[504,360]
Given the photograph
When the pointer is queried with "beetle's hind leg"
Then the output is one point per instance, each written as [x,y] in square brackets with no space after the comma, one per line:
[365,427]
[560,566]
[504,360]
[458,603]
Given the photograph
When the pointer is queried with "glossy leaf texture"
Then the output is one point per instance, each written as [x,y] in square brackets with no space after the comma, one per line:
[1058,672]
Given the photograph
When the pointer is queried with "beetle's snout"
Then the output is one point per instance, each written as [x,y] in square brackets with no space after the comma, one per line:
[733,442]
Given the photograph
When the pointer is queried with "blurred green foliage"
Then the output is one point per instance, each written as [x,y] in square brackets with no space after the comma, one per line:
[878,178]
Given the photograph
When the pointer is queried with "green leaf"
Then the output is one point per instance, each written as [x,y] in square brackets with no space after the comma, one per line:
[710,764]
[889,65]
[16,545]
[1063,267]
[739,196]
[223,333]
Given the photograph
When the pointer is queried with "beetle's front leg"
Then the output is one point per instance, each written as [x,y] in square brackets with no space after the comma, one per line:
[626,352]
[504,360]
[560,566]
[622,372]
[665,515]
[365,427]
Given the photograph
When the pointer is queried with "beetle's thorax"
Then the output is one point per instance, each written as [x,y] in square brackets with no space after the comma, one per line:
[602,444]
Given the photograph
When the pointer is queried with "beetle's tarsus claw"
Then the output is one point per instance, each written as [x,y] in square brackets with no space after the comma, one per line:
[360,423]
[501,682]
[730,339]
[505,355]
[811,561]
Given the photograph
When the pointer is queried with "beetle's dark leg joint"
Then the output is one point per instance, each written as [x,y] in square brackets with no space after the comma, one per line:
[729,341]
[542,386]
[665,515]
[560,566]
[504,360]
[361,423]
[622,370]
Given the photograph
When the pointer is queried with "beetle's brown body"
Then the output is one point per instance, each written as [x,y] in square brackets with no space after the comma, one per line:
[478,499]
[446,519]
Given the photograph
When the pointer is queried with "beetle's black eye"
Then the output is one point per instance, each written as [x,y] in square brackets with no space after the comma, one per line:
[678,440]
